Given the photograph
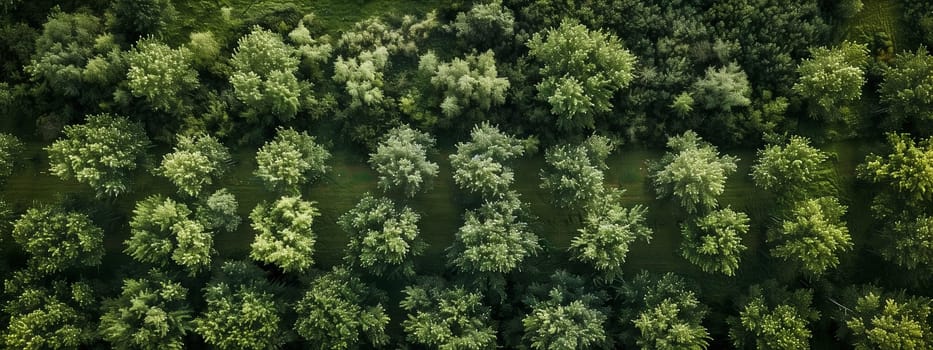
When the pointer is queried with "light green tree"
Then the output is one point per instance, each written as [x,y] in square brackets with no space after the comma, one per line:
[401,161]
[904,168]
[195,162]
[574,174]
[264,78]
[813,235]
[714,242]
[470,82]
[291,160]
[56,239]
[888,322]
[665,312]
[284,235]
[162,75]
[479,165]
[151,313]
[447,318]
[101,153]
[242,312]
[384,238]
[774,318]
[693,171]
[788,168]
[44,319]
[162,231]
[582,70]
[494,238]
[832,79]
[722,89]
[335,313]
[362,77]
[608,233]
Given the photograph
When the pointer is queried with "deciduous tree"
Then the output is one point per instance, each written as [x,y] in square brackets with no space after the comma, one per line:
[284,235]
[264,77]
[479,166]
[494,238]
[384,238]
[890,321]
[447,318]
[665,312]
[693,171]
[101,153]
[162,75]
[832,79]
[714,242]
[790,168]
[150,313]
[291,160]
[401,161]
[574,174]
[218,211]
[335,313]
[195,162]
[813,235]
[162,231]
[608,233]
[56,239]
[470,82]
[564,315]
[907,90]
[774,318]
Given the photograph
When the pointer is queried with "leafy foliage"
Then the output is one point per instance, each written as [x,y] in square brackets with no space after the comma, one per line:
[10,151]
[714,242]
[788,168]
[264,77]
[478,165]
[904,169]
[101,153]
[485,24]
[884,321]
[162,75]
[401,160]
[150,313]
[774,318]
[136,18]
[43,319]
[284,234]
[907,90]
[813,235]
[362,77]
[195,162]
[833,79]
[383,237]
[564,317]
[219,211]
[722,89]
[471,82]
[693,171]
[241,313]
[493,238]
[290,160]
[335,313]
[666,314]
[582,70]
[574,174]
[608,232]
[56,239]
[447,318]
[162,230]
[63,51]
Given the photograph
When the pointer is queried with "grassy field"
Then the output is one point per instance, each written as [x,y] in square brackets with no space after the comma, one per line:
[875,17]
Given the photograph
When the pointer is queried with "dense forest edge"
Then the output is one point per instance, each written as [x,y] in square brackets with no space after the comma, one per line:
[520,174]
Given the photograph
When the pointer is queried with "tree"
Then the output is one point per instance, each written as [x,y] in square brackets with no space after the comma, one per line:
[101,153]
[162,75]
[666,314]
[219,211]
[471,82]
[582,70]
[264,79]
[10,150]
[813,235]
[563,315]
[363,77]
[574,174]
[908,241]
[907,89]
[790,168]
[714,242]
[478,165]
[137,18]
[693,171]
[401,160]
[493,238]
[50,319]
[195,162]
[162,231]
[832,80]
[446,318]
[903,169]
[774,318]
[284,238]
[485,25]
[384,239]
[608,232]
[63,51]
[291,160]
[56,239]
[890,321]
[722,89]
[335,313]
[242,312]
[150,313]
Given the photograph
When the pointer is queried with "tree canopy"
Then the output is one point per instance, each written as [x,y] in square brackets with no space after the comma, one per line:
[693,172]
[291,160]
[401,161]
[384,238]
[284,236]
[56,239]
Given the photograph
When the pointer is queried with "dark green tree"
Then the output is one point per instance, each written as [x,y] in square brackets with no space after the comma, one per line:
[56,239]
[150,313]
[384,238]
[564,315]
[772,317]
[163,231]
[401,161]
[218,211]
[11,149]
[336,313]
[447,317]
[665,312]
[138,18]
[50,318]
[907,90]
[714,242]
[574,174]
